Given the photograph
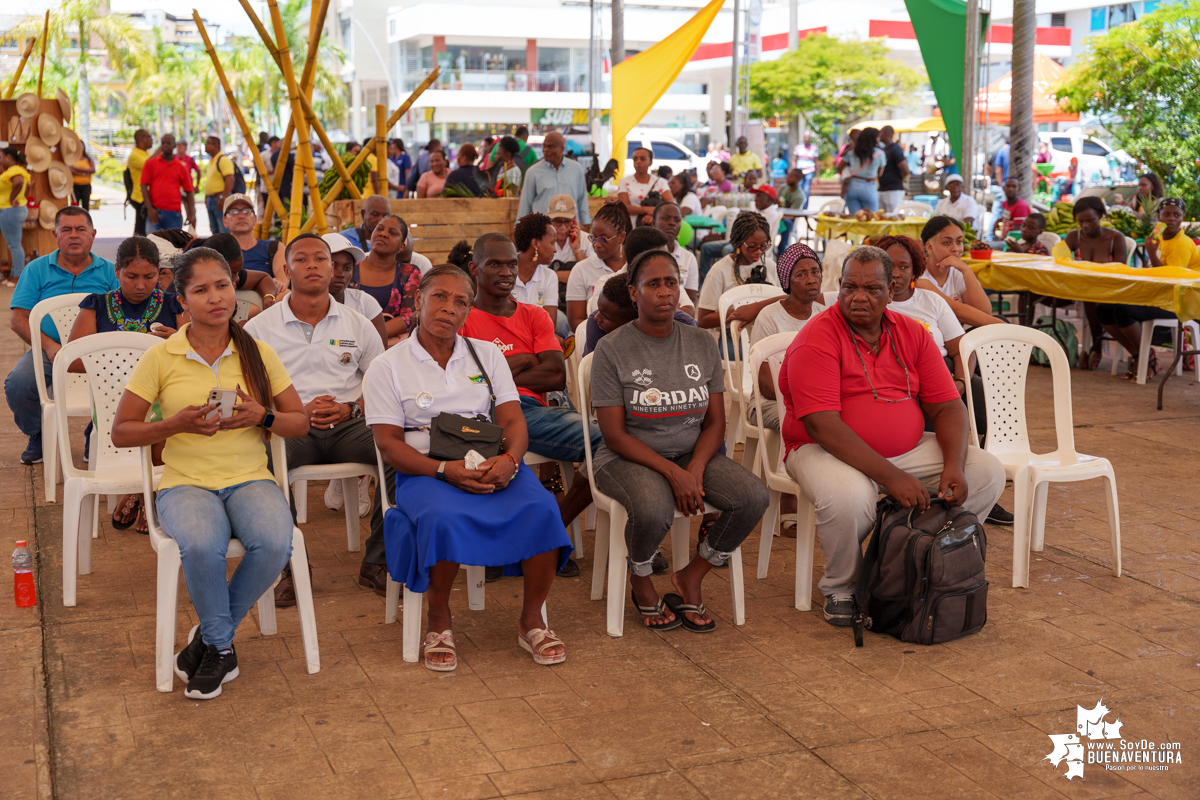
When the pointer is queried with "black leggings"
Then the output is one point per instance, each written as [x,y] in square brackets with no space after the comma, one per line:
[1124,316]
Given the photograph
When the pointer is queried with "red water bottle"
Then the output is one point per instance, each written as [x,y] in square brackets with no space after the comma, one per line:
[23,589]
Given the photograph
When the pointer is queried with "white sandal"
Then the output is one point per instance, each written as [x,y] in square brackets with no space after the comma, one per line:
[440,643]
[538,641]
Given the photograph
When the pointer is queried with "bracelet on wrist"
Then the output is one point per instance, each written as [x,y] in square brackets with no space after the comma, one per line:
[516,464]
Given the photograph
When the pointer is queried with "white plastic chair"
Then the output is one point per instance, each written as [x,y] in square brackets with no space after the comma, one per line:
[169,565]
[1049,239]
[911,208]
[567,469]
[589,518]
[63,310]
[611,550]
[1130,251]
[1003,353]
[736,387]
[771,454]
[1148,327]
[348,473]
[108,359]
[245,299]
[834,204]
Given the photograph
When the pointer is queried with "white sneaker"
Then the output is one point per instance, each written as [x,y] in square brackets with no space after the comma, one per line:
[366,501]
[335,500]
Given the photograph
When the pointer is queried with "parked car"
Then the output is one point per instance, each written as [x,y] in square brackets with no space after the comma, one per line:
[667,152]
[1092,154]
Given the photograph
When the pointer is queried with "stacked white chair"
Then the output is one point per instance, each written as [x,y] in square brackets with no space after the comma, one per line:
[1148,327]
[611,550]
[246,299]
[913,209]
[348,473]
[771,351]
[1003,354]
[74,392]
[737,390]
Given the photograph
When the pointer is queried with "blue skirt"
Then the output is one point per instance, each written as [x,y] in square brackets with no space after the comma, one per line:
[434,521]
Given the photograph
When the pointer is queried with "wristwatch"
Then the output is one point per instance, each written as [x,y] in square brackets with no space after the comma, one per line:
[441,472]
[268,419]
[356,410]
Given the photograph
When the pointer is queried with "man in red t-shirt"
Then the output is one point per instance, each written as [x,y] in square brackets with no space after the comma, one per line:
[857,383]
[1015,210]
[525,335]
[165,179]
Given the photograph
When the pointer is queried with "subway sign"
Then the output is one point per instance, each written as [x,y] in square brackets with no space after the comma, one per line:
[563,116]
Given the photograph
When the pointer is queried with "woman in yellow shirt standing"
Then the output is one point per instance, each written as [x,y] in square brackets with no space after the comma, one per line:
[216,484]
[14,181]
[81,174]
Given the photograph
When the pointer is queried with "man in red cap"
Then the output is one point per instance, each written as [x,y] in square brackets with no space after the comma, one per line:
[765,198]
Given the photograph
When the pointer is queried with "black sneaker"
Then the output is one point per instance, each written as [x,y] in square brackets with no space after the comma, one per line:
[659,563]
[839,610]
[569,569]
[998,516]
[33,451]
[187,661]
[492,574]
[215,670]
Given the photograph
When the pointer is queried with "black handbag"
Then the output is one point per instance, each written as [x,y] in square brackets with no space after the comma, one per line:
[452,436]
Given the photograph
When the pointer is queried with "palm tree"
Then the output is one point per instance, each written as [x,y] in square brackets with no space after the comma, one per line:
[82,20]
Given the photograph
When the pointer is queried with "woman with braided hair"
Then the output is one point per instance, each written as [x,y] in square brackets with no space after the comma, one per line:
[750,262]
[610,224]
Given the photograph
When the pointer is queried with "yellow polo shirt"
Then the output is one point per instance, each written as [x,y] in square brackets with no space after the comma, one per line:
[175,376]
[1179,252]
[744,162]
[219,166]
[137,159]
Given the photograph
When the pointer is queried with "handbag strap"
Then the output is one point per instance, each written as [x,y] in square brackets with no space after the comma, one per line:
[491,391]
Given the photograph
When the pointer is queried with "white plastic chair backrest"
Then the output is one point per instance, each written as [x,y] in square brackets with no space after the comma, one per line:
[1130,249]
[911,208]
[108,358]
[63,309]
[740,295]
[771,350]
[1003,354]
[245,299]
[833,204]
[584,407]
[572,362]
[836,251]
[1049,239]
[383,477]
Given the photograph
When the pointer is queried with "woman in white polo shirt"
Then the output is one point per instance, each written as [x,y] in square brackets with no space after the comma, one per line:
[610,226]
[446,514]
[536,284]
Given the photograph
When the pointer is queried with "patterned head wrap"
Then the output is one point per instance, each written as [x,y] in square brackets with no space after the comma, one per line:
[788,260]
[1172,201]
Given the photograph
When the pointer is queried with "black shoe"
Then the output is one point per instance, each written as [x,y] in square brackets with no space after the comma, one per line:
[839,610]
[659,563]
[998,516]
[215,670]
[33,451]
[87,444]
[569,570]
[492,574]
[187,661]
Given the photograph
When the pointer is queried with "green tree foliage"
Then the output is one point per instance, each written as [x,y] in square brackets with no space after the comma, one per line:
[830,83]
[1142,80]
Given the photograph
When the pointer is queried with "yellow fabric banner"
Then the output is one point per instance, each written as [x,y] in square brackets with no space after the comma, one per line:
[640,80]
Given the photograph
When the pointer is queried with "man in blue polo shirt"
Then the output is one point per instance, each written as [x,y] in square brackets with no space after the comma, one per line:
[69,269]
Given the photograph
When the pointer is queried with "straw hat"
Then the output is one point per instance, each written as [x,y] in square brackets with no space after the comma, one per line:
[27,105]
[60,179]
[49,129]
[70,147]
[37,155]
[46,213]
[64,103]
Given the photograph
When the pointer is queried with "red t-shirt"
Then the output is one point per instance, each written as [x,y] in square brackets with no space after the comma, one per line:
[528,330]
[1014,215]
[826,375]
[166,180]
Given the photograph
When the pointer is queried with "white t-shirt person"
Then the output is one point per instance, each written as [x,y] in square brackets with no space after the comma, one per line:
[962,209]
[638,191]
[934,313]
[542,289]
[954,287]
[720,280]
[584,275]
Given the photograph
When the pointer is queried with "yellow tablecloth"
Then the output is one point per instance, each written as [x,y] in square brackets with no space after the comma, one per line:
[828,227]
[1173,289]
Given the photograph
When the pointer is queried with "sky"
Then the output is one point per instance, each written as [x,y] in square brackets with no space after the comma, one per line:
[227,13]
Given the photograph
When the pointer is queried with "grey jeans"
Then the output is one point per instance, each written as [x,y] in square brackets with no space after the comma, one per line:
[647,498]
[845,498]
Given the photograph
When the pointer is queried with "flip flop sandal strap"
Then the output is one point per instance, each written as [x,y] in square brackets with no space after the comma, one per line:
[654,611]
[687,608]
[540,639]
[434,643]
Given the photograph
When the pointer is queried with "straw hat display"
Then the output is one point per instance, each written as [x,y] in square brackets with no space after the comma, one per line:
[49,129]
[64,103]
[70,147]
[27,105]
[60,179]
[46,213]
[37,155]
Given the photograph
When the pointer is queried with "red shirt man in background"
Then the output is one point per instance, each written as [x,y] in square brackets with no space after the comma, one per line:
[1015,209]
[165,180]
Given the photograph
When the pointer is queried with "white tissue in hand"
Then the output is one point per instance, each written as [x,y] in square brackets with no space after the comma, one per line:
[474,460]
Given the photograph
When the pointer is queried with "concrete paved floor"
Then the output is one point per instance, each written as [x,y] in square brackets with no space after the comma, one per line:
[783,707]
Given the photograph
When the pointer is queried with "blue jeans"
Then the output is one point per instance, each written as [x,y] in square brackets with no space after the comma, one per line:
[20,388]
[711,253]
[11,222]
[216,221]
[202,522]
[997,191]
[166,221]
[806,186]
[785,238]
[556,432]
[861,194]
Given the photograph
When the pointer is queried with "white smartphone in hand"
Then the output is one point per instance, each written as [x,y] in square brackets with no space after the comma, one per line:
[227,398]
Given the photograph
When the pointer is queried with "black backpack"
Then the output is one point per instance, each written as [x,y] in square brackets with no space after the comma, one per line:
[239,177]
[922,577]
[127,176]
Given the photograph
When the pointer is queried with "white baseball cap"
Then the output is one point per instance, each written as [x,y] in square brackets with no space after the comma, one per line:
[340,244]
[953,177]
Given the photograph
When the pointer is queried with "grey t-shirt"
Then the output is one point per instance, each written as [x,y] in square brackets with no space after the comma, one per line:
[664,385]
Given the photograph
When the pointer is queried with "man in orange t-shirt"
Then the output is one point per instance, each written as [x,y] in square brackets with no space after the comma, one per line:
[165,180]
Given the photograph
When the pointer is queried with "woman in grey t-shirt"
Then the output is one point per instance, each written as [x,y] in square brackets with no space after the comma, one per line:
[657,389]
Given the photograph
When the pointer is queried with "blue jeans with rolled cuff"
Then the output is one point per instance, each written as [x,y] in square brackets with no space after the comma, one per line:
[556,432]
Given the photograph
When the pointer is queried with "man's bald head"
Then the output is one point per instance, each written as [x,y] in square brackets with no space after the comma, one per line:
[374,208]
[553,146]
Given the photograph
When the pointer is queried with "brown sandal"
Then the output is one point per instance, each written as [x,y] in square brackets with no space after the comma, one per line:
[128,505]
[285,590]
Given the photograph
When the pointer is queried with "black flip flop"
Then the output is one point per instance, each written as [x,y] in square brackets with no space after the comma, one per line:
[680,609]
[659,610]
[124,526]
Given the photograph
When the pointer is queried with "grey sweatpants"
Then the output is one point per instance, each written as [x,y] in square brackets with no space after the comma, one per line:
[845,499]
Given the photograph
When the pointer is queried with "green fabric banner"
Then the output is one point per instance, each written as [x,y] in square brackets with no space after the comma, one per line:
[941,27]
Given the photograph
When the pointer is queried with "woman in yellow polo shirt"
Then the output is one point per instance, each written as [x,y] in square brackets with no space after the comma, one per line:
[216,484]
[81,175]
[14,182]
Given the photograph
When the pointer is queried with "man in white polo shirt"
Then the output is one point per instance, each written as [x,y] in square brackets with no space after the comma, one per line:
[326,348]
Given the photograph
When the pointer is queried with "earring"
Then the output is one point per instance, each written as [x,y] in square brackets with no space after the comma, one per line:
[912,284]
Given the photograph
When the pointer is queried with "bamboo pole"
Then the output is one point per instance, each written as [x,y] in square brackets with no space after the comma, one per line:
[12,87]
[42,65]
[304,159]
[273,201]
[381,147]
